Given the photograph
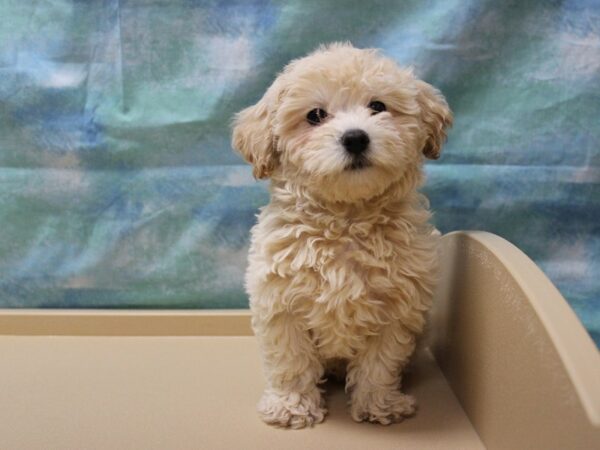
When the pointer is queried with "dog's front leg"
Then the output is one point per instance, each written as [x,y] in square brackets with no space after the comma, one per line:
[374,378]
[293,370]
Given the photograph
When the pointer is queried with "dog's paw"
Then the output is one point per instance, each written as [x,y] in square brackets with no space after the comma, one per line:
[382,407]
[292,409]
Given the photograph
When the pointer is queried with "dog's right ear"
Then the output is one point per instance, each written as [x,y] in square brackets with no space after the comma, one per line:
[253,133]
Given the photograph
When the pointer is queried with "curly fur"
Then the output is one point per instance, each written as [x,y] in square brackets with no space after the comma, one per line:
[342,263]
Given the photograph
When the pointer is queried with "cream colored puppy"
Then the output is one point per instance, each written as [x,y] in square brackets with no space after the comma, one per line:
[342,260]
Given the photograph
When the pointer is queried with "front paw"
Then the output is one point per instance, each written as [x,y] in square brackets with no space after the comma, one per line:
[384,407]
[292,409]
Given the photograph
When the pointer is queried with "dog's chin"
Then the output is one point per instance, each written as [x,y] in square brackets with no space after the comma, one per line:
[358,164]
[358,181]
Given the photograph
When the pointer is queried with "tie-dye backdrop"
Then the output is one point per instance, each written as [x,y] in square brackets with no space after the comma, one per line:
[119,188]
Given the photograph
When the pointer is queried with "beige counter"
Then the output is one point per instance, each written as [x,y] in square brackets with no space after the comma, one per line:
[518,372]
[187,393]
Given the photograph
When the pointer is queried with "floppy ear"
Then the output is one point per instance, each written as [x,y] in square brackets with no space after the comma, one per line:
[253,134]
[436,117]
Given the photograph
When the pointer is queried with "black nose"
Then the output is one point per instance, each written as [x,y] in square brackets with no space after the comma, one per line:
[355,141]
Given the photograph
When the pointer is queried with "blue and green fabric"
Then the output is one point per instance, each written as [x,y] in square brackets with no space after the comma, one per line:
[119,188]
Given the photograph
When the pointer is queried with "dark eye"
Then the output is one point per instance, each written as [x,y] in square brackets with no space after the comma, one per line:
[315,116]
[377,106]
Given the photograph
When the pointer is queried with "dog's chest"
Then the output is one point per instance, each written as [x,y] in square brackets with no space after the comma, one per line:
[347,280]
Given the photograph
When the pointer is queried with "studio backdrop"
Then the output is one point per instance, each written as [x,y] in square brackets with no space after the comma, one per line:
[119,187]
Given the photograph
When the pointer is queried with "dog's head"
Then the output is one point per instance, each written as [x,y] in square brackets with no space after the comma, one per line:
[344,123]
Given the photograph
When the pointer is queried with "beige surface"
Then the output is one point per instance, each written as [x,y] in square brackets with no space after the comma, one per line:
[520,362]
[94,322]
[515,355]
[186,393]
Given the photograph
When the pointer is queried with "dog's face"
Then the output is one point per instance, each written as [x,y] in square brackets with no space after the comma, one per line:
[343,123]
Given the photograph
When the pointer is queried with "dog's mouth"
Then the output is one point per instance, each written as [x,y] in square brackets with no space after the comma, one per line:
[358,164]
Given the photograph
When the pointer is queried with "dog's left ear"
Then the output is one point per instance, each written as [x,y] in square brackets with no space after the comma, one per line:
[436,117]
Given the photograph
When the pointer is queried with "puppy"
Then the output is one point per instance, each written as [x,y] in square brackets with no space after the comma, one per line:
[342,261]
